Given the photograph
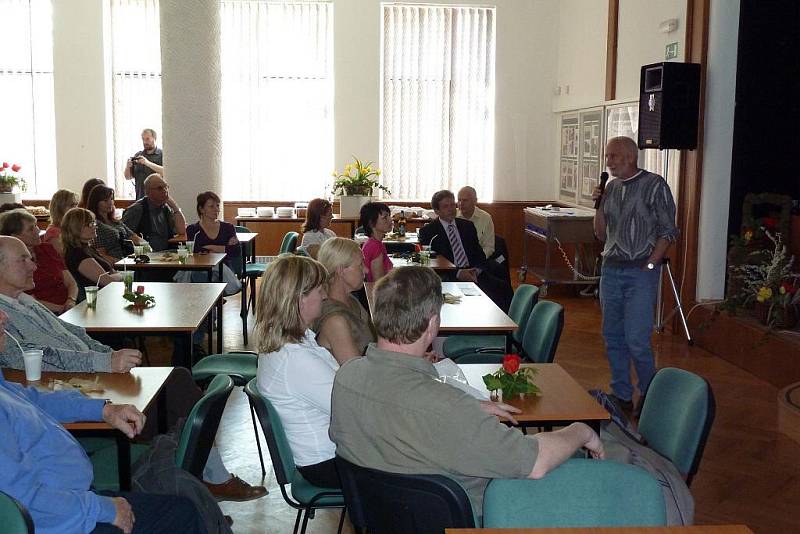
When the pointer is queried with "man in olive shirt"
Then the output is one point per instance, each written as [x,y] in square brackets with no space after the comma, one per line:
[389,411]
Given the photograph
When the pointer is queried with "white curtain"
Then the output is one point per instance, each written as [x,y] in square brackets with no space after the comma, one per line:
[27,115]
[136,81]
[437,122]
[277,99]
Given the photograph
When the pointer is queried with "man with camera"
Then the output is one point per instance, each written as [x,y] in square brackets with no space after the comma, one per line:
[145,162]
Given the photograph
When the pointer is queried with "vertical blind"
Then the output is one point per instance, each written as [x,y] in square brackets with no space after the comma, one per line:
[136,81]
[277,99]
[27,115]
[437,120]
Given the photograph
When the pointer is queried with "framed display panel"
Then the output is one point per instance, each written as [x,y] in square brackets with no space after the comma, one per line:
[591,154]
[581,155]
[569,156]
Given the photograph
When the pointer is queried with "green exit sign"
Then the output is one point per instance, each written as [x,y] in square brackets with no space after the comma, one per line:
[671,51]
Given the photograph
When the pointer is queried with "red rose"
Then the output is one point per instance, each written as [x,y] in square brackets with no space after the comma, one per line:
[770,222]
[511,363]
[789,288]
[140,289]
[15,167]
[5,165]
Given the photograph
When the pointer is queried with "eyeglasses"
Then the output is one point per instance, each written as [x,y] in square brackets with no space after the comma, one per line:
[92,224]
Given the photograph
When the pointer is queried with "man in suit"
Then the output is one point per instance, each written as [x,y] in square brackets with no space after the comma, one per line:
[457,240]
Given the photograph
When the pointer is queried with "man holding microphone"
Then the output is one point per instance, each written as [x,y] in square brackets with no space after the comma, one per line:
[636,221]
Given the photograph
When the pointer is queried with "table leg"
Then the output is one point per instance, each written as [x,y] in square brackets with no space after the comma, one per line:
[211,275]
[221,269]
[161,406]
[219,325]
[509,343]
[123,461]
[210,330]
[190,356]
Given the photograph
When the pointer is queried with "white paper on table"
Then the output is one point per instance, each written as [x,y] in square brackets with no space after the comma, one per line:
[451,374]
[469,290]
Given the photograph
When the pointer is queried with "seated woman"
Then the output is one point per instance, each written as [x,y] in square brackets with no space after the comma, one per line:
[295,373]
[211,234]
[344,327]
[54,286]
[111,232]
[376,219]
[63,200]
[88,267]
[88,185]
[316,228]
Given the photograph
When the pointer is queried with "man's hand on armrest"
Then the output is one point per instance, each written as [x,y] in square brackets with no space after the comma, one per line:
[556,447]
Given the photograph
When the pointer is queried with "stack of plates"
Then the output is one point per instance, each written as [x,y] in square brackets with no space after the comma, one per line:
[285,211]
[265,211]
[246,212]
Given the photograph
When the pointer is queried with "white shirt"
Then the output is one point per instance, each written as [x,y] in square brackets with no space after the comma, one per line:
[485,227]
[298,380]
[316,237]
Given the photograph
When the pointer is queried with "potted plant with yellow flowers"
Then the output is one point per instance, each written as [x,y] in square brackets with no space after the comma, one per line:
[355,186]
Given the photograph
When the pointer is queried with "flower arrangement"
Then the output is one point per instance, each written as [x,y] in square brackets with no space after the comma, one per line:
[764,281]
[139,298]
[512,379]
[355,180]
[8,180]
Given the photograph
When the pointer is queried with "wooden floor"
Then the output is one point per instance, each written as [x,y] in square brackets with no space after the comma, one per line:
[750,473]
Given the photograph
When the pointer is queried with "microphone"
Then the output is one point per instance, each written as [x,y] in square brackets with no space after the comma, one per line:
[603,180]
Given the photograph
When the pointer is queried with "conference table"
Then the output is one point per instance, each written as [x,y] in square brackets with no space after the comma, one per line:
[180,309]
[160,261]
[562,400]
[141,387]
[694,529]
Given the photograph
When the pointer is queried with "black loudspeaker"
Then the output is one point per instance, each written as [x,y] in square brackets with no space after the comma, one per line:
[669,104]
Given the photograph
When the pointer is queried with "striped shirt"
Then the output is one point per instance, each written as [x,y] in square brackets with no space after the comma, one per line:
[638,212]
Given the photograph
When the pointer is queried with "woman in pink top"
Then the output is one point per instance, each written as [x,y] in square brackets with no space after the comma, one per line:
[377,222]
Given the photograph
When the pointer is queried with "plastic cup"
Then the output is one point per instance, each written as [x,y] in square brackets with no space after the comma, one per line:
[182,255]
[138,250]
[33,365]
[91,296]
[190,247]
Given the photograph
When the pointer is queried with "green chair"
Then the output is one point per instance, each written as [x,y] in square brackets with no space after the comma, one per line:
[289,243]
[677,416]
[194,443]
[539,340]
[248,273]
[306,497]
[14,517]
[525,297]
[580,493]
[242,367]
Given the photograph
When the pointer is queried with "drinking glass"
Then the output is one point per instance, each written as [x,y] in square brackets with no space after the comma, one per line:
[183,254]
[190,247]
[91,296]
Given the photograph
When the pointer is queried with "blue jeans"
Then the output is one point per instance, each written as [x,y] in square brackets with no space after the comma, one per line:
[628,300]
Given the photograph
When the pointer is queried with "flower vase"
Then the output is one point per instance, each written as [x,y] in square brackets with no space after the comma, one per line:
[787,318]
[762,312]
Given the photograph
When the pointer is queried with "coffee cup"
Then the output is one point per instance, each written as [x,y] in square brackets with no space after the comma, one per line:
[33,364]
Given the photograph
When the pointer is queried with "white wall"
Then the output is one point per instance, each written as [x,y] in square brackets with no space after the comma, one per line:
[82,92]
[639,41]
[723,33]
[525,73]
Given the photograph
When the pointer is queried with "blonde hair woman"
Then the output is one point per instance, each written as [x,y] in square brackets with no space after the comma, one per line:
[344,326]
[88,267]
[294,372]
[62,201]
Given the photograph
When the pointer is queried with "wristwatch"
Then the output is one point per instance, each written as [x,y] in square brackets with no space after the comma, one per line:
[651,266]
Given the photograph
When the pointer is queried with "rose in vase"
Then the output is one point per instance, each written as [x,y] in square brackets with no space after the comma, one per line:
[512,379]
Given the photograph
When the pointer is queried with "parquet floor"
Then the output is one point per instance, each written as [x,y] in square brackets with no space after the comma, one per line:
[750,473]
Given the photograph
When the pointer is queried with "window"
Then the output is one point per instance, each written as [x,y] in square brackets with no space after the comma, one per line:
[437,120]
[136,81]
[27,115]
[277,99]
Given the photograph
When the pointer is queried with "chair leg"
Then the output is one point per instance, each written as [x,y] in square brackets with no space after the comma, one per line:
[341,520]
[297,519]
[305,521]
[258,441]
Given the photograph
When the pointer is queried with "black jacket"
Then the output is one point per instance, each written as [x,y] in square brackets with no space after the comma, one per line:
[469,239]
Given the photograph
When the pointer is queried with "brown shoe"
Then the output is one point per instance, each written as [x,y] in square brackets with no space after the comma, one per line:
[236,489]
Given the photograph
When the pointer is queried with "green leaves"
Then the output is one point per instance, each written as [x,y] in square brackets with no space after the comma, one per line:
[514,384]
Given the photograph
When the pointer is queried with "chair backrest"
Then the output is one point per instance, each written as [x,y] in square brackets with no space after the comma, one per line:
[677,416]
[280,451]
[201,426]
[525,297]
[542,331]
[289,242]
[579,493]
[385,502]
[14,517]
[247,251]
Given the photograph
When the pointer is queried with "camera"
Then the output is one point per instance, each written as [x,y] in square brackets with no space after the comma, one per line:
[135,157]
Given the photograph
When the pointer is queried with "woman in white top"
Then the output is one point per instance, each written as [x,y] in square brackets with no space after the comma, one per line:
[295,373]
[316,226]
